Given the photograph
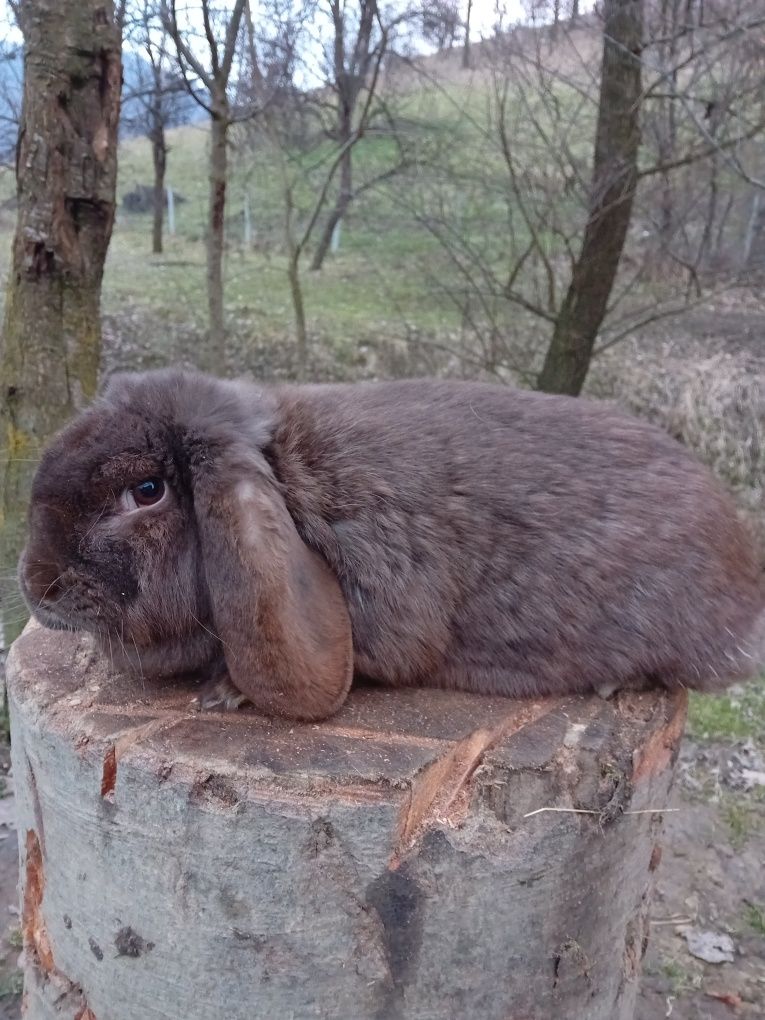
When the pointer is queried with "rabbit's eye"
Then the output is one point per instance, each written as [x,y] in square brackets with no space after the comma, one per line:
[146,493]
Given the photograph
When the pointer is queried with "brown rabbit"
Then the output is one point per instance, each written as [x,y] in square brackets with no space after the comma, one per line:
[449,534]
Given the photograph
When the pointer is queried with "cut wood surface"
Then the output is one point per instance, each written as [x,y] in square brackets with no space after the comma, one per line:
[391,862]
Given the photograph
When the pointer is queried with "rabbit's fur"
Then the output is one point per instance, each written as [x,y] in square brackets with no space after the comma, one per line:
[455,535]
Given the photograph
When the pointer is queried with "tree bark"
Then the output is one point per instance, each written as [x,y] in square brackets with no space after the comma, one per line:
[705,252]
[400,861]
[216,234]
[466,44]
[66,176]
[344,197]
[215,79]
[754,244]
[350,70]
[668,30]
[296,291]
[159,157]
[614,182]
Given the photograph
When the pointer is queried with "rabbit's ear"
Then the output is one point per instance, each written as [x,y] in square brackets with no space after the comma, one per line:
[277,607]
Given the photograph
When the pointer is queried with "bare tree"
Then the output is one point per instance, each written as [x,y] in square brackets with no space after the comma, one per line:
[614,180]
[11,90]
[208,82]
[313,132]
[555,269]
[466,40]
[357,49]
[66,175]
[703,102]
[156,88]
[754,242]
[440,22]
[555,19]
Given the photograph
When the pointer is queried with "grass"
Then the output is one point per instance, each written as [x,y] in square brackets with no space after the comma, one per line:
[343,301]
[384,281]
[12,985]
[736,715]
[387,278]
[390,277]
[680,978]
[755,917]
[742,819]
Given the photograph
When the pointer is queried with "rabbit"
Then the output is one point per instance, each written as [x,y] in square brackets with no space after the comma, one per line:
[275,542]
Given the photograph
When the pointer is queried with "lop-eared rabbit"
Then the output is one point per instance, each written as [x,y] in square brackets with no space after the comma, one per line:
[275,542]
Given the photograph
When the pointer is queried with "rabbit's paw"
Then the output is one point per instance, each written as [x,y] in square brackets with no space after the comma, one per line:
[219,694]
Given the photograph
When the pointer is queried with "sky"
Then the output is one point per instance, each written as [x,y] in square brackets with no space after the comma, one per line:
[483,18]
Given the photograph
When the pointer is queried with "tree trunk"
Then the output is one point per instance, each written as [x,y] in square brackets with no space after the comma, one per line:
[422,854]
[466,44]
[343,200]
[574,11]
[669,30]
[296,290]
[754,245]
[66,175]
[159,157]
[705,252]
[613,190]
[216,236]
[556,20]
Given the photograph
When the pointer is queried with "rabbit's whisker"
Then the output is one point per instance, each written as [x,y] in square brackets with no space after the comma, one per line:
[111,650]
[140,665]
[207,629]
[122,646]
[54,581]
[93,525]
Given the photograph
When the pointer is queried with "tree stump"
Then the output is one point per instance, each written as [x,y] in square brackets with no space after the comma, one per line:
[397,862]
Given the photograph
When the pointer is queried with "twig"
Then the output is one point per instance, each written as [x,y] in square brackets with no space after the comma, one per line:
[587,811]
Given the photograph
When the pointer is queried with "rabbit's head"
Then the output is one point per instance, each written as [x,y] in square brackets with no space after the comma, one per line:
[157,524]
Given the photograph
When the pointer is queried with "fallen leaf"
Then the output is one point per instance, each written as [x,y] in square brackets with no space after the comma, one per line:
[729,998]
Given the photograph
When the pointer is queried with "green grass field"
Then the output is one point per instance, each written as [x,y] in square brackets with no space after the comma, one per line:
[391,277]
[384,279]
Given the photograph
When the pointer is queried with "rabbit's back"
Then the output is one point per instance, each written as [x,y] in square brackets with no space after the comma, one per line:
[515,542]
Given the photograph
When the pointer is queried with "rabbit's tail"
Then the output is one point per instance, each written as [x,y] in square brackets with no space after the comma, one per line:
[745,658]
[734,657]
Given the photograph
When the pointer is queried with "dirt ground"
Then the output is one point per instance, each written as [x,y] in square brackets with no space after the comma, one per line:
[711,879]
